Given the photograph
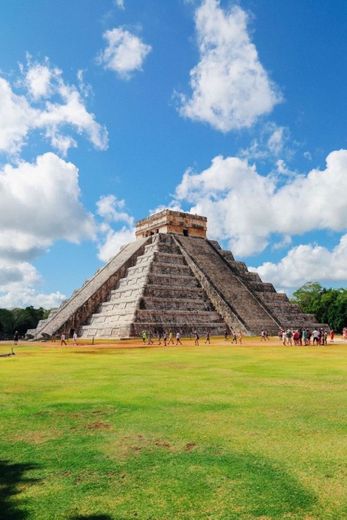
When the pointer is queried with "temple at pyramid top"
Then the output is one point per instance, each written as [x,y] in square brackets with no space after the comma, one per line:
[172,278]
[169,221]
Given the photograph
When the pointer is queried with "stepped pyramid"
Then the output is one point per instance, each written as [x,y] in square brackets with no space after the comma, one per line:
[173,278]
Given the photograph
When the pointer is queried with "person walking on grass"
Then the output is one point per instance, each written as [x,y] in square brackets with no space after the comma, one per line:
[196,338]
[207,339]
[165,338]
[289,337]
[233,337]
[63,340]
[171,341]
[74,338]
[240,336]
[315,337]
[16,338]
[178,338]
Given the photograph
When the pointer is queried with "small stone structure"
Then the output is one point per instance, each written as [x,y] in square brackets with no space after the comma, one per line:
[169,221]
[173,278]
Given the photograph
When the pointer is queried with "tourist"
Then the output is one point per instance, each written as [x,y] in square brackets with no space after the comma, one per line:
[226,335]
[207,338]
[240,336]
[196,338]
[144,337]
[178,338]
[315,337]
[332,336]
[309,336]
[165,338]
[284,338]
[233,337]
[304,337]
[296,337]
[16,338]
[171,341]
[149,339]
[74,338]
[289,337]
[63,340]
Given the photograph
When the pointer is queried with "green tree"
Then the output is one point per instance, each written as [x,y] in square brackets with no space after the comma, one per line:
[6,323]
[328,305]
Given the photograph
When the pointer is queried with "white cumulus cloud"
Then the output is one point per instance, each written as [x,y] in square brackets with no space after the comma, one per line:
[124,53]
[44,101]
[39,201]
[304,263]
[114,240]
[230,87]
[112,211]
[245,207]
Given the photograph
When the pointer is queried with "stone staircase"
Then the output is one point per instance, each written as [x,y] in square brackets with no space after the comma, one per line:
[286,313]
[159,293]
[257,303]
[232,288]
[84,301]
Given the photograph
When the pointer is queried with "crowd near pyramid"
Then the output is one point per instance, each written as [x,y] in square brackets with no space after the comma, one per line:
[173,279]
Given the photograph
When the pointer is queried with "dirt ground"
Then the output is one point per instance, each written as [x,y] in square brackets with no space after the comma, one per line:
[137,343]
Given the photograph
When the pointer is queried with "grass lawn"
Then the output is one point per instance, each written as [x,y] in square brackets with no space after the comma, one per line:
[220,432]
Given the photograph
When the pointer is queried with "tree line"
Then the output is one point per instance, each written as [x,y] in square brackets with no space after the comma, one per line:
[20,320]
[328,305]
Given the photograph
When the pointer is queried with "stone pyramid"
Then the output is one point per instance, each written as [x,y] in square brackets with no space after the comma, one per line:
[173,278]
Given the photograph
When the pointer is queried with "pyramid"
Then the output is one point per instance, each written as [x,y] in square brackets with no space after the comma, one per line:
[172,278]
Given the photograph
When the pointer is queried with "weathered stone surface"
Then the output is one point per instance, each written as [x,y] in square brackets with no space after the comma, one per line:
[169,221]
[170,281]
[169,297]
[73,313]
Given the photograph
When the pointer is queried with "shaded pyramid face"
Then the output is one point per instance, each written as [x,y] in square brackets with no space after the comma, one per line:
[159,293]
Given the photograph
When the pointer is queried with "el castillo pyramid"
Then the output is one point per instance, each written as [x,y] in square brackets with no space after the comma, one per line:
[172,278]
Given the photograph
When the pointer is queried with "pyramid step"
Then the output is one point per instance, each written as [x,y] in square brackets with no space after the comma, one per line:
[176,316]
[116,304]
[178,291]
[169,258]
[171,281]
[125,292]
[185,328]
[187,304]
[170,269]
[166,248]
[131,282]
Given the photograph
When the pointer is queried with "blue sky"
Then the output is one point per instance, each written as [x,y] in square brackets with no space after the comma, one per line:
[111,110]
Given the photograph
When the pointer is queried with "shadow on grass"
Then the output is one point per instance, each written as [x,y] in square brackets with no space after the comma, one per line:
[12,477]
[237,485]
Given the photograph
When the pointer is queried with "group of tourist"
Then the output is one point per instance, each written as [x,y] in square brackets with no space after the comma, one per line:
[305,337]
[169,338]
[288,337]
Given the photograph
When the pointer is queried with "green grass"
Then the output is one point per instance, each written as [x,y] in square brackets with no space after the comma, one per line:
[219,432]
